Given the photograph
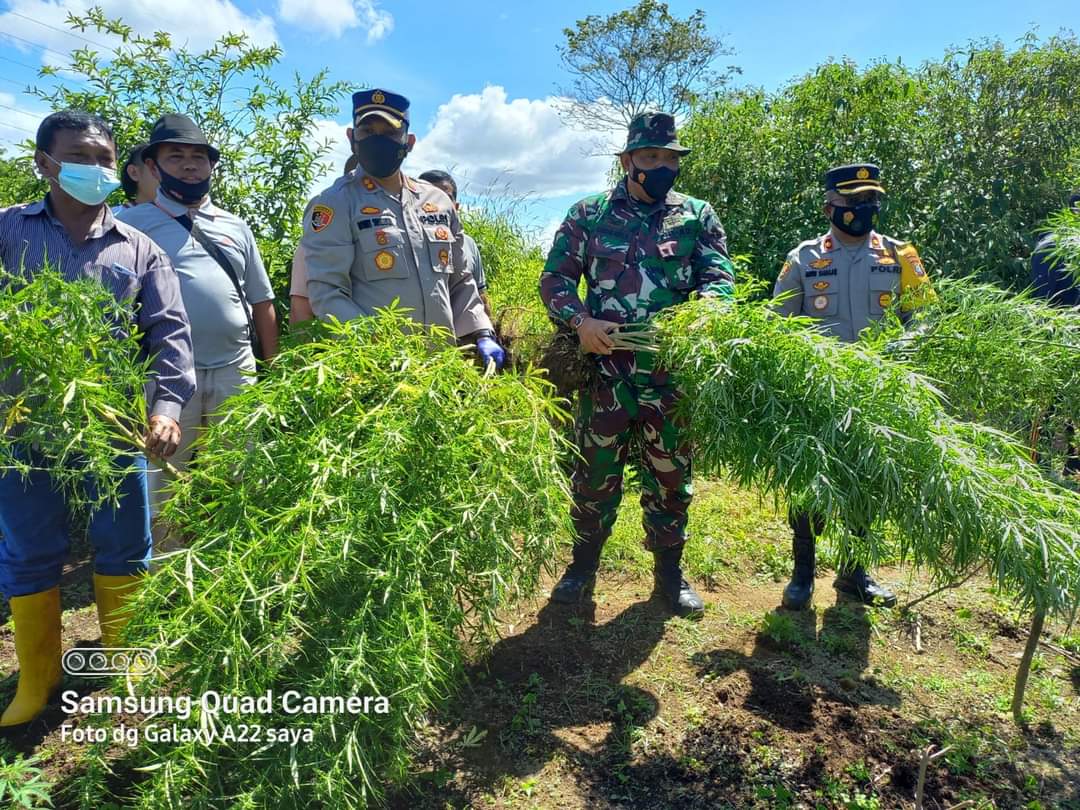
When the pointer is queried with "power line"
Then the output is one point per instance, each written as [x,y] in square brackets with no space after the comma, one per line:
[12,81]
[19,129]
[16,62]
[61,30]
[17,110]
[36,45]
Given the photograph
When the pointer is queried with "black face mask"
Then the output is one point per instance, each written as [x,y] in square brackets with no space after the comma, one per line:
[181,190]
[380,155]
[656,182]
[858,220]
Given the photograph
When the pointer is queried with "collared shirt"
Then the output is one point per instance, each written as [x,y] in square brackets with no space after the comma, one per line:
[131,266]
[219,327]
[366,248]
[1050,278]
[847,288]
[637,259]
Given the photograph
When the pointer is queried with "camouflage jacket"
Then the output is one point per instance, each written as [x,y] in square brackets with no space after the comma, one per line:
[637,259]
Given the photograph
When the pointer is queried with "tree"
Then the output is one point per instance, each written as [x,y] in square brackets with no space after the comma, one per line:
[975,149]
[19,182]
[265,132]
[639,59]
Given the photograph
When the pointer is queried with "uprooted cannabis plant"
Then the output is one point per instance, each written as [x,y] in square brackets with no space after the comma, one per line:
[354,516]
[71,383]
[1000,358]
[863,439]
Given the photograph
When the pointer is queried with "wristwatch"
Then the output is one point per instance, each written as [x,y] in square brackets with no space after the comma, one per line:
[578,320]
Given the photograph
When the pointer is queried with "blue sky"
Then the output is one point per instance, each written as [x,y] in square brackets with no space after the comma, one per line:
[482,75]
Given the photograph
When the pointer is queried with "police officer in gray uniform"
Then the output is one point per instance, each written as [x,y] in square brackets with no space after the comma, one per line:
[846,278]
[377,235]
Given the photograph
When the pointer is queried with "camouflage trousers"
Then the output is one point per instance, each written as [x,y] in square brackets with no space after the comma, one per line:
[610,413]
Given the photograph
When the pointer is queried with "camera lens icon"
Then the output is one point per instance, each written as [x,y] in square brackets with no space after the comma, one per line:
[108,662]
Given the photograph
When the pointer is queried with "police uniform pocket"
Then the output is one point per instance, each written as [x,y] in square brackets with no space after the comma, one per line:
[820,303]
[383,253]
[883,291]
[440,241]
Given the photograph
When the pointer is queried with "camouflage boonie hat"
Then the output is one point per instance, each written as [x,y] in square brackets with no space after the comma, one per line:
[653,129]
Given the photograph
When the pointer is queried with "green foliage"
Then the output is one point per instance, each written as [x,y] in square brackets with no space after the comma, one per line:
[860,439]
[265,132]
[512,267]
[22,784]
[1065,227]
[975,150]
[354,516]
[1004,359]
[643,58]
[82,398]
[19,182]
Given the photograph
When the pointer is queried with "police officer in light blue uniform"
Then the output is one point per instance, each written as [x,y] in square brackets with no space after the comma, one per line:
[846,279]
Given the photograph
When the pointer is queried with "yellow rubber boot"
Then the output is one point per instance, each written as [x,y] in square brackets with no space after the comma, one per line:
[111,594]
[36,617]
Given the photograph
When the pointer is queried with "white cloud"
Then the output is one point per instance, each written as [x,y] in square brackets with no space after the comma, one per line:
[194,23]
[519,145]
[334,133]
[18,123]
[333,17]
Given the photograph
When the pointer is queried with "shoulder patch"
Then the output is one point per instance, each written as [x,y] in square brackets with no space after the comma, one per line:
[321,216]
[784,271]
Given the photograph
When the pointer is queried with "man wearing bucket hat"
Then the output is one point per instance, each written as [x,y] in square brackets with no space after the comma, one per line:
[846,279]
[377,235]
[224,284]
[641,247]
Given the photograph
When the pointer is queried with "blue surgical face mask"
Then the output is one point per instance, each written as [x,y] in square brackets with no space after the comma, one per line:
[88,183]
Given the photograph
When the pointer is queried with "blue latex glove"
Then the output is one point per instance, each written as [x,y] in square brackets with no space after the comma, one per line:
[490,351]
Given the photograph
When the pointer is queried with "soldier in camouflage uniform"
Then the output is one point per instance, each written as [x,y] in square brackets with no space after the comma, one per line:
[846,278]
[641,247]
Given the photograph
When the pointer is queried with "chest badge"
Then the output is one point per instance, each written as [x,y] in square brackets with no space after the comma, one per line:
[820,264]
[884,300]
[444,257]
[384,260]
[442,233]
[821,302]
[370,210]
[381,238]
[821,285]
[886,260]
[431,208]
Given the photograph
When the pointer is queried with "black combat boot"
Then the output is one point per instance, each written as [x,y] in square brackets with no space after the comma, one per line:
[799,592]
[670,583]
[859,585]
[579,578]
